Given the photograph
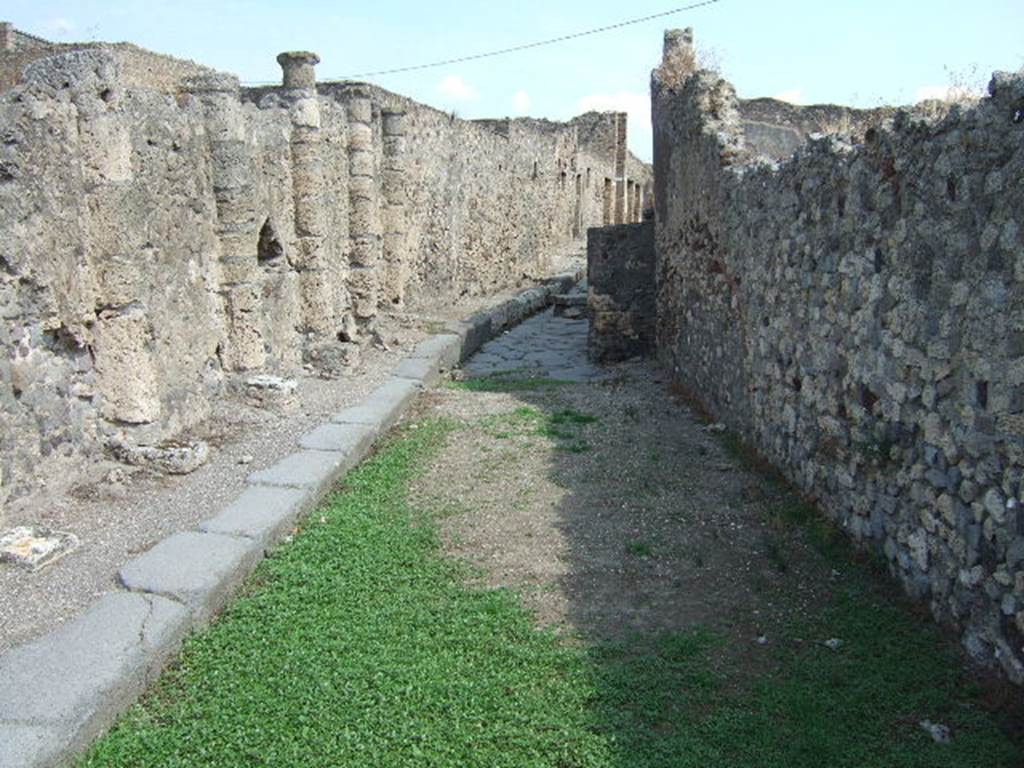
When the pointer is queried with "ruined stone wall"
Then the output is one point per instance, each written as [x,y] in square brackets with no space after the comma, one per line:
[857,314]
[483,201]
[165,235]
[620,291]
[138,67]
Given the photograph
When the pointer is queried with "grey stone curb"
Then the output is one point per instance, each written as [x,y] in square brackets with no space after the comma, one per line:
[63,690]
[198,570]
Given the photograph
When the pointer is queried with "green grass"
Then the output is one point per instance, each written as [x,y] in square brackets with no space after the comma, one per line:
[640,549]
[359,644]
[563,426]
[511,381]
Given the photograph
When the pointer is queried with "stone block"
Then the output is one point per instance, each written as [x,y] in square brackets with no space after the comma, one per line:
[60,691]
[197,569]
[382,407]
[446,348]
[474,333]
[124,367]
[311,470]
[32,746]
[264,514]
[423,370]
[353,440]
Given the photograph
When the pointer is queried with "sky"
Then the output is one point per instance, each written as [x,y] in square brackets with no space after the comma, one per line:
[862,53]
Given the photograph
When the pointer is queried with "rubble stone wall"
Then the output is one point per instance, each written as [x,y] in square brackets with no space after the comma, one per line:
[165,234]
[620,291]
[856,313]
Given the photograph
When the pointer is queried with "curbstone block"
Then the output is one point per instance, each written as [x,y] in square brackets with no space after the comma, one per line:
[446,348]
[62,690]
[197,569]
[474,333]
[423,370]
[262,513]
[32,746]
[312,470]
[382,407]
[354,440]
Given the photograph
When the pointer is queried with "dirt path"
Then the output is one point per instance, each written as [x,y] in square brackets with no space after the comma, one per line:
[606,503]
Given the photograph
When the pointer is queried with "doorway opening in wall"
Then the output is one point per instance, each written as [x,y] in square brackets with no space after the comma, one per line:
[606,216]
[269,248]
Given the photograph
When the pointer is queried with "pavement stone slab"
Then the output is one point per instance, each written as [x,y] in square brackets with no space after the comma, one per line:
[262,513]
[195,568]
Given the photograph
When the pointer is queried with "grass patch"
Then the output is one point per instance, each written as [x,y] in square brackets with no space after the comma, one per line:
[363,647]
[640,549]
[358,644]
[563,426]
[849,709]
[507,382]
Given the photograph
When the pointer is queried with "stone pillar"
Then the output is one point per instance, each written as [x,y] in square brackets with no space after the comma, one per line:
[236,227]
[317,285]
[678,59]
[676,41]
[364,208]
[6,36]
[393,188]
[298,70]
[620,168]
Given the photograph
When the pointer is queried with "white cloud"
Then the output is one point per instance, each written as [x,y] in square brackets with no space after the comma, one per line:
[456,89]
[940,92]
[521,102]
[793,96]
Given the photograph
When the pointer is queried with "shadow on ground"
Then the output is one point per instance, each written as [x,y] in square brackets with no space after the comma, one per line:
[722,623]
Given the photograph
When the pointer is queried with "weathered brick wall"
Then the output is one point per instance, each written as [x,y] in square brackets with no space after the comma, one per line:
[620,295]
[164,234]
[856,312]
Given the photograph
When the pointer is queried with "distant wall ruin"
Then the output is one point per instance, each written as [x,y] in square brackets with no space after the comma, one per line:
[164,231]
[856,312]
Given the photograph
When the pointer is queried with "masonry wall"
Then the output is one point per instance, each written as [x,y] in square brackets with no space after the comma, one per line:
[856,312]
[164,235]
[620,291]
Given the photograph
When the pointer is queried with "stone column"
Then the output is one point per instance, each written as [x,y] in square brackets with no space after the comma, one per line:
[620,168]
[393,188]
[298,70]
[319,309]
[364,208]
[6,36]
[236,226]
[678,59]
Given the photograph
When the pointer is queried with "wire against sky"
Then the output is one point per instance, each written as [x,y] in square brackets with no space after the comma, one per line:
[526,46]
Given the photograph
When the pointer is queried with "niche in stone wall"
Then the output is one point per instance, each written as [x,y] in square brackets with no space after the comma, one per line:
[269,249]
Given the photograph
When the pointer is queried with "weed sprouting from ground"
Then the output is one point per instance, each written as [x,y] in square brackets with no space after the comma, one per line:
[512,381]
[640,549]
[563,426]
